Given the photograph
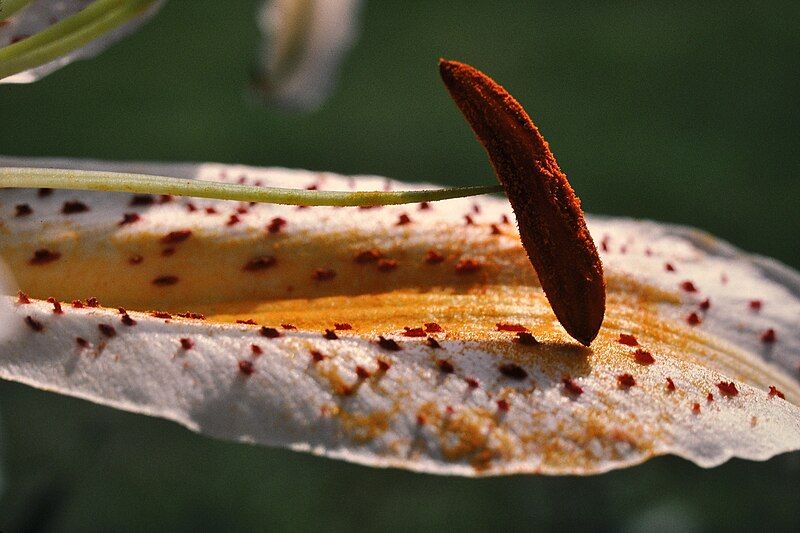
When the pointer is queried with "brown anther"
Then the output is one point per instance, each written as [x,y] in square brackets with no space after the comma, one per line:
[551,223]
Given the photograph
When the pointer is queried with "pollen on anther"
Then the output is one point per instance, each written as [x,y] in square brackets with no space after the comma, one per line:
[432,327]
[342,326]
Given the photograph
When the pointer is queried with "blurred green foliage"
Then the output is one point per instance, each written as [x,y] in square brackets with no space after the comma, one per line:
[686,112]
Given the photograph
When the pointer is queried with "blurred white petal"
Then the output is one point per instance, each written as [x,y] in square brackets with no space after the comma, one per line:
[425,412]
[304,43]
[40,14]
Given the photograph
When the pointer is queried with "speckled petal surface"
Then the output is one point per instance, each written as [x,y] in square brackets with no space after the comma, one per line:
[40,14]
[410,336]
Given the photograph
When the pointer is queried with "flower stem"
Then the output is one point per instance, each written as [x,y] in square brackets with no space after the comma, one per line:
[146,184]
[9,7]
[69,34]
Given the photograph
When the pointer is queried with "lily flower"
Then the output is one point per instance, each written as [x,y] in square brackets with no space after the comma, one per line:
[412,336]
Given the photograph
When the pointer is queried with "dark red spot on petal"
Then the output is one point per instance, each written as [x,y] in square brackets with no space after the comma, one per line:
[571,387]
[81,342]
[432,257]
[44,193]
[625,381]
[432,327]
[468,220]
[627,340]
[769,336]
[513,371]
[688,286]
[165,281]
[246,367]
[233,220]
[270,333]
[643,357]
[727,389]
[127,320]
[22,210]
[503,326]
[174,237]
[276,225]
[193,316]
[388,344]
[317,356]
[22,298]
[696,408]
[387,265]
[693,319]
[383,365]
[775,392]
[445,366]
[472,383]
[256,349]
[34,324]
[362,372]
[368,256]
[669,267]
[129,218]
[670,385]
[74,206]
[107,330]
[467,266]
[503,405]
[526,339]
[705,305]
[186,344]
[433,343]
[330,335]
[141,199]
[259,263]
[403,220]
[323,274]
[755,305]
[42,257]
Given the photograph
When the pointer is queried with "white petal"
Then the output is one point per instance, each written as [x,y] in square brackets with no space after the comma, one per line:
[40,14]
[416,414]
[304,42]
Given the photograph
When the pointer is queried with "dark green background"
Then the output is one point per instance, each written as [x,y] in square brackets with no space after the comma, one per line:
[682,113]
